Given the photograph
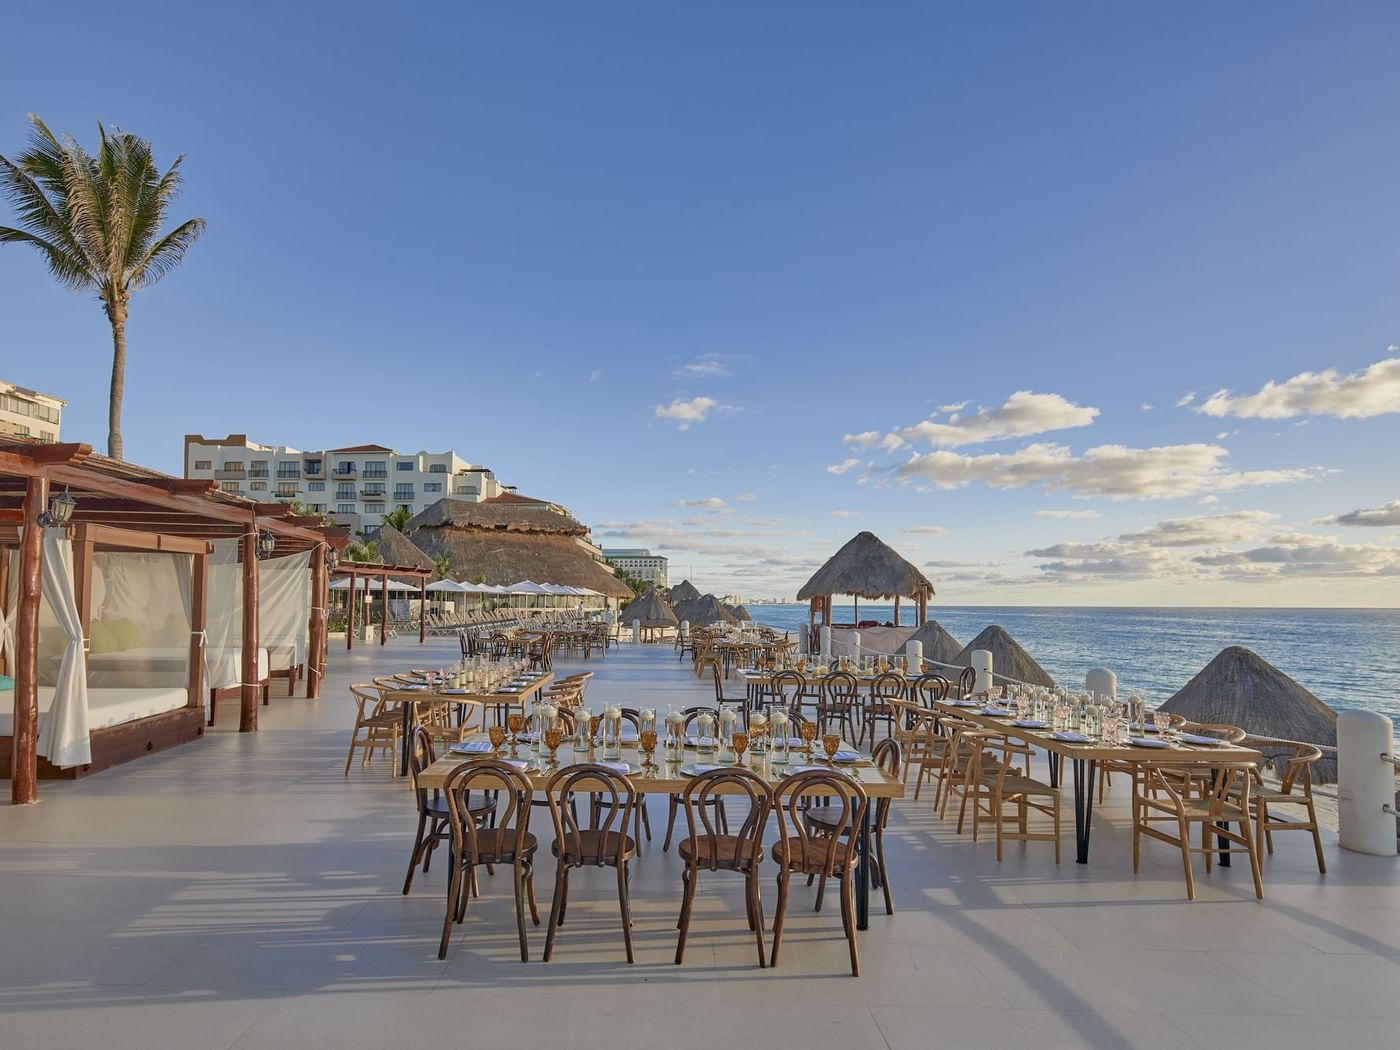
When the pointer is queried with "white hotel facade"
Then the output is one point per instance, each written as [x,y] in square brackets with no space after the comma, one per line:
[356,485]
[28,413]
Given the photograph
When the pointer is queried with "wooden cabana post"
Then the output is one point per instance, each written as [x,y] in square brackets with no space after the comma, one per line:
[384,609]
[422,610]
[248,688]
[316,644]
[350,614]
[24,755]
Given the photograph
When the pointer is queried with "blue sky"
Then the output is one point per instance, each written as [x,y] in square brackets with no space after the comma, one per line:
[538,233]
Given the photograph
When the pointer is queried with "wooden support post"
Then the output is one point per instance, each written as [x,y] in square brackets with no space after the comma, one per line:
[24,755]
[199,620]
[384,609]
[923,609]
[316,631]
[896,610]
[350,614]
[422,609]
[248,693]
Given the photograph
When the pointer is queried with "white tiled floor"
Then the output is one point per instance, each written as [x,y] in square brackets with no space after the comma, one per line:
[241,892]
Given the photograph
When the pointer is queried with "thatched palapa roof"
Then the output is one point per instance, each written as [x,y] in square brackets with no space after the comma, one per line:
[704,610]
[685,591]
[1008,658]
[739,613]
[939,645]
[867,567]
[1240,688]
[397,549]
[506,543]
[652,609]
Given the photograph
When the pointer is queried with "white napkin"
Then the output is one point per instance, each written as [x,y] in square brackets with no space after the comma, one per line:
[471,747]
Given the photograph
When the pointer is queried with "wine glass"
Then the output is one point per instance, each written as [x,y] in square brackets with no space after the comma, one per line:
[516,722]
[808,732]
[553,737]
[647,739]
[497,735]
[740,742]
[1161,720]
[831,743]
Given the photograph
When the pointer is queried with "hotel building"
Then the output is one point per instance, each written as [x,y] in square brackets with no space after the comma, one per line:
[28,413]
[640,564]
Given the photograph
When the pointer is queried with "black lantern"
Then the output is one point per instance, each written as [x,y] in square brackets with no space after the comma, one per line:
[59,512]
[267,543]
[332,558]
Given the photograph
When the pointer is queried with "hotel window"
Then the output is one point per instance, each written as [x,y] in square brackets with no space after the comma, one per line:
[407,508]
[345,508]
[22,431]
[374,508]
[258,486]
[289,470]
[345,492]
[258,468]
[403,492]
[235,465]
[376,470]
[203,464]
[405,464]
[316,508]
[345,468]
[286,488]
[432,486]
[313,466]
[437,468]
[374,490]
[465,490]
[46,435]
[230,486]
[315,486]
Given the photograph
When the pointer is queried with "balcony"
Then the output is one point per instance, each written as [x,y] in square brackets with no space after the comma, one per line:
[258,472]
[313,469]
[223,473]
[370,492]
[284,473]
[403,492]
[378,473]
[344,470]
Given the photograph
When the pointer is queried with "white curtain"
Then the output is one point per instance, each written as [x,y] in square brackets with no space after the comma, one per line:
[63,731]
[10,620]
[284,607]
[224,631]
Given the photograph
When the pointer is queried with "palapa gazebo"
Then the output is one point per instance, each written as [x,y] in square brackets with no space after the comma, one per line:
[739,613]
[867,567]
[507,542]
[1009,660]
[1241,688]
[704,610]
[652,610]
[685,591]
[939,646]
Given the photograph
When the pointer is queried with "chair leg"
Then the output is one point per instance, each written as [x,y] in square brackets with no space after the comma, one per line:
[520,911]
[1185,835]
[778,917]
[1317,839]
[556,908]
[848,920]
[687,901]
[450,916]
[417,849]
[670,823]
[884,869]
[530,892]
[625,905]
[756,905]
[1252,847]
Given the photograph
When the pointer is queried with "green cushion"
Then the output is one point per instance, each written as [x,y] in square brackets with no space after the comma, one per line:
[6,683]
[101,638]
[129,635]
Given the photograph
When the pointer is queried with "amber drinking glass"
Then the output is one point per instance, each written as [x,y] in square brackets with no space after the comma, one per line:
[553,737]
[831,743]
[647,739]
[515,722]
[808,732]
[740,742]
[497,736]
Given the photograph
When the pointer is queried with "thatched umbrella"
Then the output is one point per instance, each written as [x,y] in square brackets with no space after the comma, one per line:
[652,609]
[867,567]
[1008,658]
[939,646]
[738,612]
[1241,688]
[685,591]
[706,609]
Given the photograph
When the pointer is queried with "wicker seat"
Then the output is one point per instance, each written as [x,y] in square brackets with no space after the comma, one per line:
[1293,761]
[1000,785]
[708,849]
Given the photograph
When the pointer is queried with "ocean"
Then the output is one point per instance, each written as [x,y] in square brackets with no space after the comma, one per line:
[1345,657]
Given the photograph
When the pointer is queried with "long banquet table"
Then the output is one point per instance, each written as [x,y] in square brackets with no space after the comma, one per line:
[666,778]
[1084,759]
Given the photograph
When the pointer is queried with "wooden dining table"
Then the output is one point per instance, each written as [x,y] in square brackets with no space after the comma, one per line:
[515,696]
[1085,757]
[668,778]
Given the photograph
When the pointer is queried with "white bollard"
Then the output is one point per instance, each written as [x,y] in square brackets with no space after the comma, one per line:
[1102,682]
[826,644]
[853,648]
[685,628]
[982,665]
[914,653]
[1366,782]
[636,632]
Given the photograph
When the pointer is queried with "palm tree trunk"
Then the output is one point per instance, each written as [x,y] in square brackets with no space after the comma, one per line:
[116,313]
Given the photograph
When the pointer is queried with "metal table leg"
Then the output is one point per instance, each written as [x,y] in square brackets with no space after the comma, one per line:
[863,874]
[1083,806]
[404,743]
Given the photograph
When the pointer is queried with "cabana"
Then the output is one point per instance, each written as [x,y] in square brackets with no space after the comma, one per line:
[653,611]
[136,550]
[706,609]
[360,577]
[685,591]
[866,567]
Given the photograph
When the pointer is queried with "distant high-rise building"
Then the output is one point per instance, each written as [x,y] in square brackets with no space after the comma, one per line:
[640,564]
[28,413]
[356,485]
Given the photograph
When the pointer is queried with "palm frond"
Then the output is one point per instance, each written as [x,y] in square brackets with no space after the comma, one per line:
[71,272]
[166,254]
[38,211]
[149,211]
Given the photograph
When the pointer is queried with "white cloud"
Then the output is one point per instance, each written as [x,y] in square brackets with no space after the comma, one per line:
[706,366]
[705,503]
[927,530]
[1069,515]
[1025,413]
[1115,471]
[844,513]
[747,497]
[1146,407]
[868,439]
[1385,515]
[1203,530]
[595,375]
[1293,554]
[1373,391]
[1185,399]
[686,412]
[844,467]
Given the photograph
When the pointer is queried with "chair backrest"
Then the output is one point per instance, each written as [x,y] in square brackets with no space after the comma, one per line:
[931,689]
[888,686]
[632,717]
[421,755]
[1231,734]
[512,815]
[889,758]
[734,784]
[967,681]
[840,819]
[840,687]
[614,797]
[784,681]
[366,696]
[1292,760]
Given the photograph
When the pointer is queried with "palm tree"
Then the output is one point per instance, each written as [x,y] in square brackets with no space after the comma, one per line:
[398,519]
[442,564]
[97,222]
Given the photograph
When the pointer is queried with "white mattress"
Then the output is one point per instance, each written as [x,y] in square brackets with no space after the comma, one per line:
[106,707]
[225,666]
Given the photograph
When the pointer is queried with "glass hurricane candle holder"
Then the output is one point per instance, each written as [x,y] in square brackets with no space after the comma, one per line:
[612,734]
[779,748]
[728,722]
[705,734]
[675,742]
[758,732]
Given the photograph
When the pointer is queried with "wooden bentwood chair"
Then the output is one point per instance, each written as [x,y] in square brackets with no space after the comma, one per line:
[509,842]
[708,849]
[598,847]
[830,855]
[819,821]
[673,802]
[434,820]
